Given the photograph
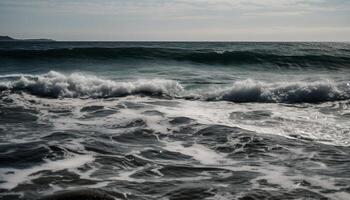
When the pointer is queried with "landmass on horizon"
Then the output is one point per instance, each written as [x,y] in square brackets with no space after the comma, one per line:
[10,39]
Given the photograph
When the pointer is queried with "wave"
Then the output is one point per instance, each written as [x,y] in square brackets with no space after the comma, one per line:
[282,92]
[75,85]
[57,85]
[203,56]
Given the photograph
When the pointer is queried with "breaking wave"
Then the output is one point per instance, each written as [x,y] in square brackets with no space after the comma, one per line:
[297,92]
[203,56]
[75,85]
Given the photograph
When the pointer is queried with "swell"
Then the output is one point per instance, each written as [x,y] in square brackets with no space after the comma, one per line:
[203,56]
[57,85]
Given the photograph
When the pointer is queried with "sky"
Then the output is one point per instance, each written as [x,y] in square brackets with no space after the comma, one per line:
[177,20]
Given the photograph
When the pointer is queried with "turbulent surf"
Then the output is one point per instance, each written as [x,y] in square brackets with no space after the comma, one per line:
[152,120]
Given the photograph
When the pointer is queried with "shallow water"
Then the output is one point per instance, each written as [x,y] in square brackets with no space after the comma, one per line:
[175,120]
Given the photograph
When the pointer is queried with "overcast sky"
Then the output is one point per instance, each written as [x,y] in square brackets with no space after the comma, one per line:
[184,20]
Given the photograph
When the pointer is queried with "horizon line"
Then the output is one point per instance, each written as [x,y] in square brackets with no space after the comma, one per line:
[183,41]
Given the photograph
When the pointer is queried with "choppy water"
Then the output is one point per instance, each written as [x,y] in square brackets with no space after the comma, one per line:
[154,120]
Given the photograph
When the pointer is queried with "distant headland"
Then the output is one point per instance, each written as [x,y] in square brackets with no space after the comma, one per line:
[10,39]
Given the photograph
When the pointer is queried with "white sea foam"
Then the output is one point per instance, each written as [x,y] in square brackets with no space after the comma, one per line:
[55,84]
[13,177]
[198,152]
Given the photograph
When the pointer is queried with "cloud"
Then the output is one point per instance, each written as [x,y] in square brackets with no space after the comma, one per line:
[165,6]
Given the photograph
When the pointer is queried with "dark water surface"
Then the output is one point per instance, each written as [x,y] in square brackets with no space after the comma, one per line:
[166,120]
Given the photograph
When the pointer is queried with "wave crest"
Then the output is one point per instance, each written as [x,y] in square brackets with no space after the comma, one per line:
[55,85]
[75,85]
[291,92]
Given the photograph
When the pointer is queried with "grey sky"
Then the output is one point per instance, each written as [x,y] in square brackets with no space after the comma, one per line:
[208,20]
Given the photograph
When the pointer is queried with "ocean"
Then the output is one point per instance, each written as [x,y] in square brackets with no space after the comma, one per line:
[174,120]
